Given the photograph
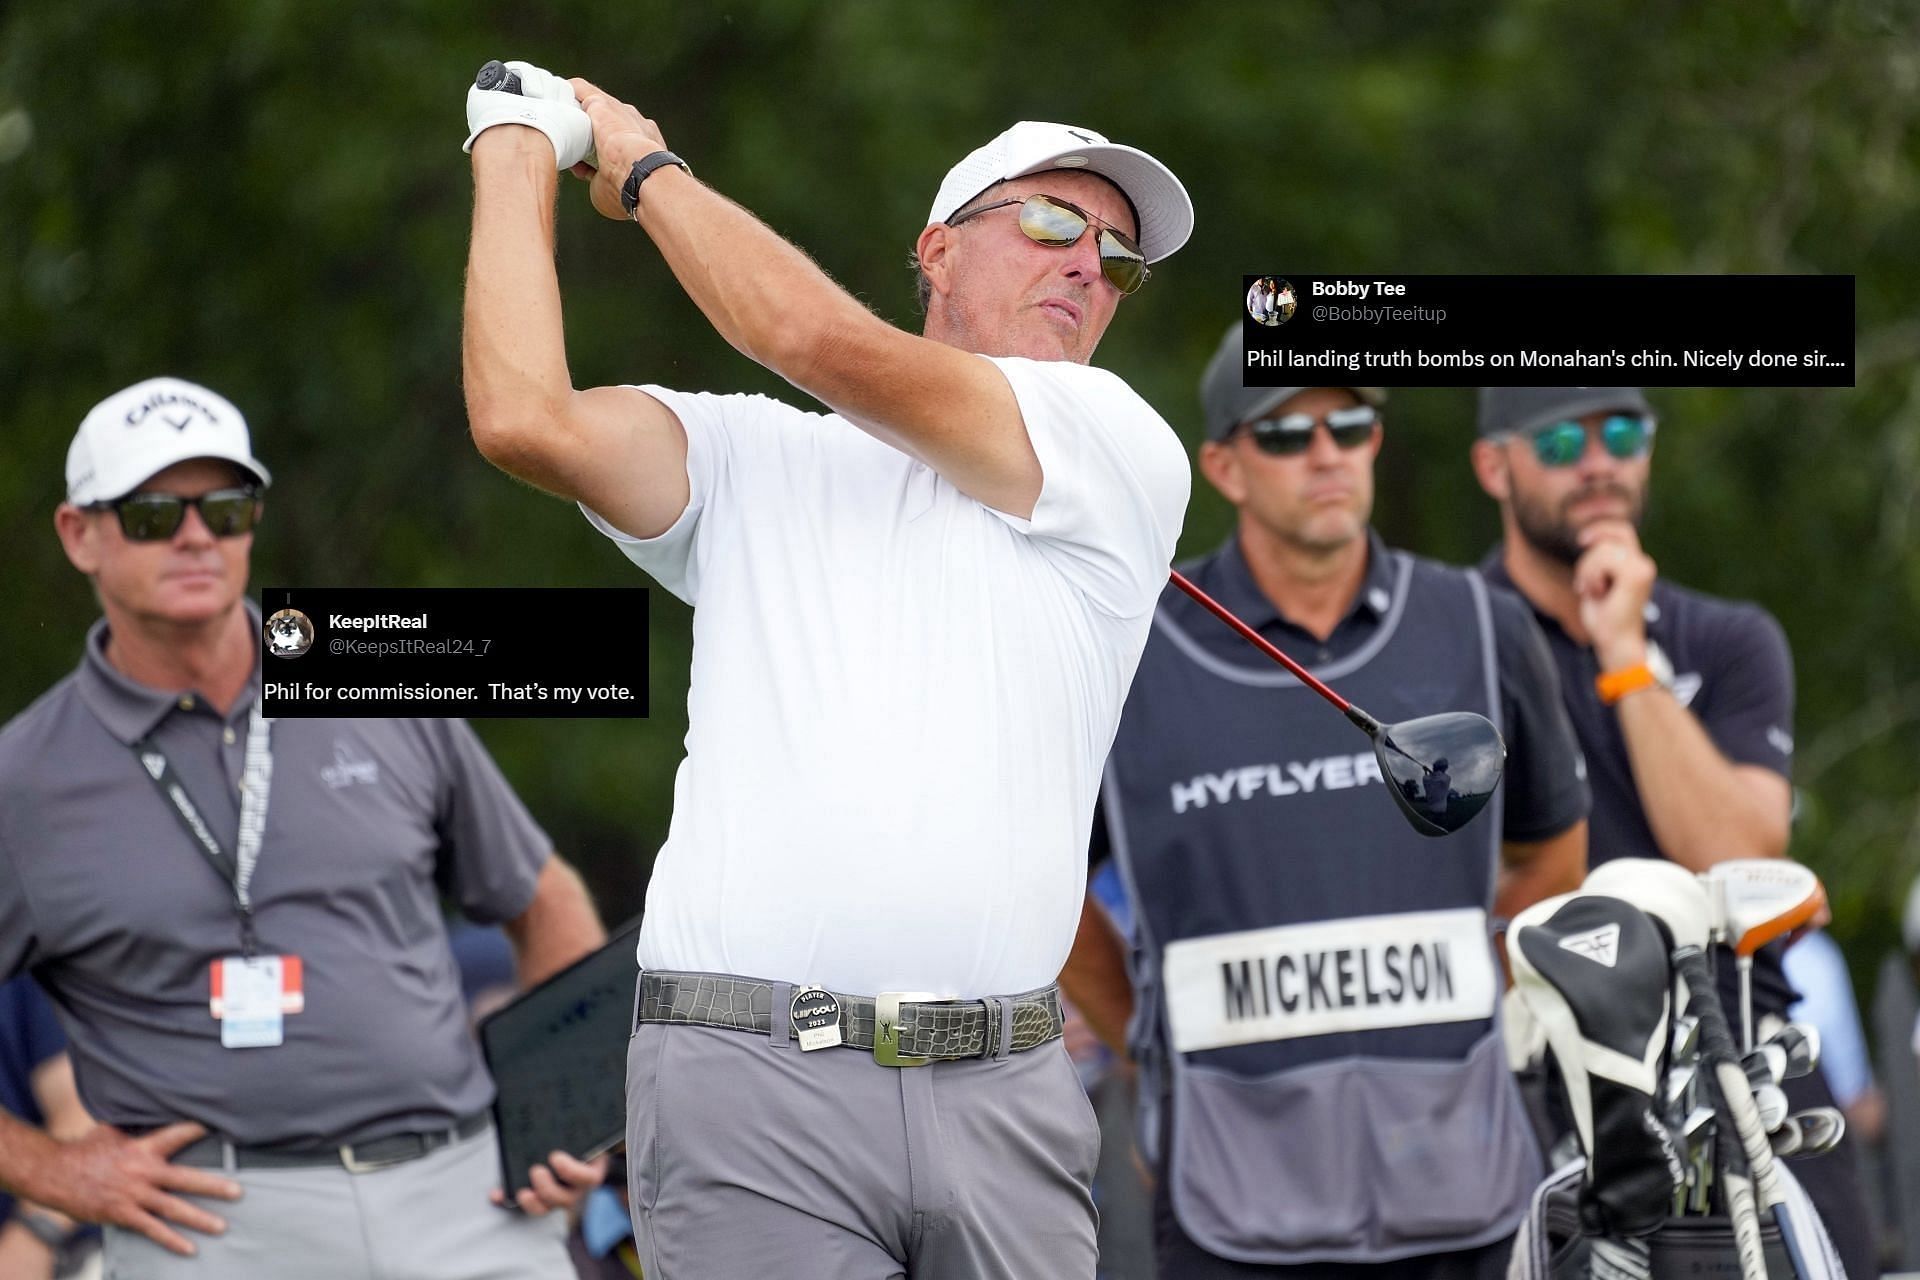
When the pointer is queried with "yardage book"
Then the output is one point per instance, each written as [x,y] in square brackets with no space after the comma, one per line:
[558,1055]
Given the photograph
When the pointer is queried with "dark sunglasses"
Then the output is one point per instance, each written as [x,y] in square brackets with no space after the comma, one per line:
[1291,433]
[155,517]
[1623,435]
[1057,224]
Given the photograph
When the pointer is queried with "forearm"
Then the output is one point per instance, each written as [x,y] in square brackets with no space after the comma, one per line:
[1532,871]
[558,927]
[25,1150]
[1700,808]
[513,345]
[769,300]
[1095,977]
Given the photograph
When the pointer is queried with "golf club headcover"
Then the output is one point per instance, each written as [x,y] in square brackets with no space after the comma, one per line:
[544,101]
[1666,891]
[1595,972]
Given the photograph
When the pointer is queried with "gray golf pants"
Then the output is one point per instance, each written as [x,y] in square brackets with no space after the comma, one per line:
[748,1158]
[427,1219]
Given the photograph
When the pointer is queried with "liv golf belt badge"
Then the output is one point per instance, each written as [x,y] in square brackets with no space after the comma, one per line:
[815,1017]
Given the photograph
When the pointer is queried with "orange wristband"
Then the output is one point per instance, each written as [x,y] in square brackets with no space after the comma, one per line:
[1615,685]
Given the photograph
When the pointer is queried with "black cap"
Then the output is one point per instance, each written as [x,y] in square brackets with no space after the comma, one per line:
[1227,401]
[1513,409]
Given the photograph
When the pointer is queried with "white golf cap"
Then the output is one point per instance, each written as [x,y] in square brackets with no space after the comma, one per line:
[134,434]
[1166,214]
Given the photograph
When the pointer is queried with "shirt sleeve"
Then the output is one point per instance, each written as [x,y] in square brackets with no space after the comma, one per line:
[1114,486]
[1746,706]
[1546,777]
[673,558]
[40,1033]
[17,935]
[491,849]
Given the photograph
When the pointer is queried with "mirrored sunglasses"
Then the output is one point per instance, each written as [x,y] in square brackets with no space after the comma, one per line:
[1291,433]
[1623,435]
[1055,223]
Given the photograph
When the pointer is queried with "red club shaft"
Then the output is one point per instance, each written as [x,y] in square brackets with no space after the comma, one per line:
[1258,641]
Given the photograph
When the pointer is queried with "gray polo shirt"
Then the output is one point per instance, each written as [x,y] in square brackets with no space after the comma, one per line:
[119,914]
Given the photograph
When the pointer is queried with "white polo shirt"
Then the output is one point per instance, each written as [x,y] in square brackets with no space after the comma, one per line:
[901,699]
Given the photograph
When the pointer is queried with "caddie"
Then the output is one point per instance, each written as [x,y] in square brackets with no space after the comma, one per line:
[1313,999]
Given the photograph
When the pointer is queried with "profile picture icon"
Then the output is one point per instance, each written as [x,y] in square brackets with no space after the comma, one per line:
[289,633]
[1271,301]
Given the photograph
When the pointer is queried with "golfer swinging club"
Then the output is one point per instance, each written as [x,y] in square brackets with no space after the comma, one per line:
[915,619]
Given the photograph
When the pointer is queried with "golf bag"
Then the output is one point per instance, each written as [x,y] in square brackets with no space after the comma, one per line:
[1551,1245]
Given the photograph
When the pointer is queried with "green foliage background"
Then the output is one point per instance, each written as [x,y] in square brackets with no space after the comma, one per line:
[267,196]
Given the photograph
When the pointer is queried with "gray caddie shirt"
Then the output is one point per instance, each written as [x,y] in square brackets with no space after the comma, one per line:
[119,914]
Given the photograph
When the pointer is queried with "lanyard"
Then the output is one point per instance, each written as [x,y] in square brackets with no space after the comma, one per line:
[256,777]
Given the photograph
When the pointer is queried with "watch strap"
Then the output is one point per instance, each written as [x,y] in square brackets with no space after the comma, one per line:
[1615,685]
[630,192]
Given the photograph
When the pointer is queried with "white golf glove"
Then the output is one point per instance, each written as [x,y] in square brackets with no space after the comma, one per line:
[544,101]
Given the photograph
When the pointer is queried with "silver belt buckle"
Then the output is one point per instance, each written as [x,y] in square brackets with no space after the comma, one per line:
[886,1027]
[356,1165]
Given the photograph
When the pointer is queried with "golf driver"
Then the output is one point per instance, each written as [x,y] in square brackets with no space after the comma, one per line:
[1760,899]
[1440,769]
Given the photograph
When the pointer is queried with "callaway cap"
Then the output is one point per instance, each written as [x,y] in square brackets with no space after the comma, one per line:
[134,434]
[1165,212]
[1227,401]
[1514,409]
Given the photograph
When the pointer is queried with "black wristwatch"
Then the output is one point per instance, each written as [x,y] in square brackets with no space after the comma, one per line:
[630,193]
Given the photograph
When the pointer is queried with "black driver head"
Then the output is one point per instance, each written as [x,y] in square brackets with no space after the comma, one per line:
[1441,768]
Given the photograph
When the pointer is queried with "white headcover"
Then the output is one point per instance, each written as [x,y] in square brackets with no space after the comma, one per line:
[1664,890]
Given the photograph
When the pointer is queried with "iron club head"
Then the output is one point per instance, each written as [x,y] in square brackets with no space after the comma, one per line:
[1821,1129]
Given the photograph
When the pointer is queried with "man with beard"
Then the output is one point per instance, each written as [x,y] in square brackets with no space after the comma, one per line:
[1683,702]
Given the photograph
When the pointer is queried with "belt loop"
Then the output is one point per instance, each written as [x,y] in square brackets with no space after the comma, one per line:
[781,1032]
[990,1027]
[1006,1029]
[229,1157]
[639,982]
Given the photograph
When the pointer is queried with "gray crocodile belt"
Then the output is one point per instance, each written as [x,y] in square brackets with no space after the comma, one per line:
[902,1029]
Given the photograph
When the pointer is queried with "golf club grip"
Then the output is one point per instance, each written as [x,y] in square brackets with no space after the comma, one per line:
[494,75]
[1735,1092]
[1716,1046]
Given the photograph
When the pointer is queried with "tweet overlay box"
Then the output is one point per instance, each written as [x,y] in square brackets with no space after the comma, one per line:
[549,652]
[1550,331]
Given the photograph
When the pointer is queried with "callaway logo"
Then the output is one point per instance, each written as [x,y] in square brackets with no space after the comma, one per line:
[348,768]
[153,404]
[1602,945]
[155,764]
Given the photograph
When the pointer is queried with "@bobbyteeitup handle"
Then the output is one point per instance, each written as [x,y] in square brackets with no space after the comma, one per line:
[1440,769]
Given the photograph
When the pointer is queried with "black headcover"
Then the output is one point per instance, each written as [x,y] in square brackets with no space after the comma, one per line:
[1607,963]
